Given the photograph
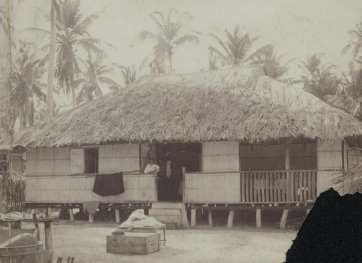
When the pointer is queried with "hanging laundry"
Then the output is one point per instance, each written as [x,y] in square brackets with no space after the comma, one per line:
[109,184]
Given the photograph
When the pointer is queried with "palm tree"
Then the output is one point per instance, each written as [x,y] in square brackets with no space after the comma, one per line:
[355,46]
[129,74]
[26,84]
[168,37]
[72,38]
[270,61]
[94,77]
[350,96]
[318,78]
[3,18]
[236,50]
[6,22]
[54,11]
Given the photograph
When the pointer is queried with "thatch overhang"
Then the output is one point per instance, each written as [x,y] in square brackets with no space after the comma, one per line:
[231,104]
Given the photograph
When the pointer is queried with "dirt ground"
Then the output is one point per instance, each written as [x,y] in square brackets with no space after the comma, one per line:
[87,243]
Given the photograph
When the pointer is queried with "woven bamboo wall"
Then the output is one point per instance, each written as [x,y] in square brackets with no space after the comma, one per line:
[48,161]
[354,157]
[78,189]
[220,156]
[330,163]
[118,158]
[212,188]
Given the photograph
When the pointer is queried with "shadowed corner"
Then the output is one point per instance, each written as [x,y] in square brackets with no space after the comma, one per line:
[331,232]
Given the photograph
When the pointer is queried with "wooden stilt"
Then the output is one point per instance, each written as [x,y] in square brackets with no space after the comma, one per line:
[209,213]
[91,218]
[230,218]
[116,213]
[71,215]
[184,219]
[50,212]
[258,218]
[283,220]
[48,236]
[193,217]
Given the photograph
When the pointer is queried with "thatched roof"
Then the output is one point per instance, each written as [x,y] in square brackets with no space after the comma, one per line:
[234,104]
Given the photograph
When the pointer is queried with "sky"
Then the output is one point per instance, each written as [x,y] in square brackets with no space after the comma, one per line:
[296,28]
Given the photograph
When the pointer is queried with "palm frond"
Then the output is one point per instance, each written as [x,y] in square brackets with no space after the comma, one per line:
[186,38]
[82,27]
[147,35]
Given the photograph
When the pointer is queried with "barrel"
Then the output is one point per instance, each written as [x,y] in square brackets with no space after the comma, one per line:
[24,253]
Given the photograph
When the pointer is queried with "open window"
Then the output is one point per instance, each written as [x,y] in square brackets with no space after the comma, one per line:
[91,160]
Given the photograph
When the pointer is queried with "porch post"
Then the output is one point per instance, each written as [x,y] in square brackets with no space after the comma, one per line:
[288,174]
[287,156]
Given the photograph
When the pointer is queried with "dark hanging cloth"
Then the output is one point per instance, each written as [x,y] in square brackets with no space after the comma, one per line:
[108,184]
[332,231]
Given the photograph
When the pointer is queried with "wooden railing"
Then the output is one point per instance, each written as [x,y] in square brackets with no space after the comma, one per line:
[292,186]
[251,187]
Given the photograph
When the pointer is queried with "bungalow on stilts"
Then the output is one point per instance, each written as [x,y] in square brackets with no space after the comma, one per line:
[229,139]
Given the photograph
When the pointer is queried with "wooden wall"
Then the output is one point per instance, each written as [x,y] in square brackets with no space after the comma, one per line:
[330,163]
[118,157]
[212,188]
[55,175]
[45,161]
[78,189]
[220,156]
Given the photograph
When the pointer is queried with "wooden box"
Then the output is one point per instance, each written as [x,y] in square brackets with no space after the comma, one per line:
[133,243]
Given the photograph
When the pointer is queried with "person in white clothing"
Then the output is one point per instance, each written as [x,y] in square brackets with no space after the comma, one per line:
[151,167]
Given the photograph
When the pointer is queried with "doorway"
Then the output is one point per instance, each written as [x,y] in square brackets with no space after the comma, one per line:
[171,157]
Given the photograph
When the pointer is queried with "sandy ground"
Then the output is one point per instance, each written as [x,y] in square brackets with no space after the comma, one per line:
[87,243]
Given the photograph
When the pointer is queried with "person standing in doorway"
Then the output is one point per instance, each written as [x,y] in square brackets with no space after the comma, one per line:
[151,167]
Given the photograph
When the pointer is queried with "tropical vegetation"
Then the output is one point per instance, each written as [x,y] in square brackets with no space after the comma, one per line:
[168,36]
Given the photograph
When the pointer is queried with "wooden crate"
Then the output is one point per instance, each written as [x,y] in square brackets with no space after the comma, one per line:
[133,243]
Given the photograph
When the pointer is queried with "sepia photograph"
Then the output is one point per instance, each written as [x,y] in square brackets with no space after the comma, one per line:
[180,131]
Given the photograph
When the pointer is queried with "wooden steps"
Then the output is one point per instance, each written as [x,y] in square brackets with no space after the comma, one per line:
[171,214]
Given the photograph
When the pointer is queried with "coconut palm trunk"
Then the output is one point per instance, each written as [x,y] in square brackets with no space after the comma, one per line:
[74,102]
[170,62]
[51,71]
[8,67]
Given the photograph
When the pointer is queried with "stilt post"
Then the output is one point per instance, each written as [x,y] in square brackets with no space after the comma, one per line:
[230,218]
[258,218]
[193,217]
[209,213]
[117,216]
[184,219]
[90,218]
[71,215]
[283,220]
